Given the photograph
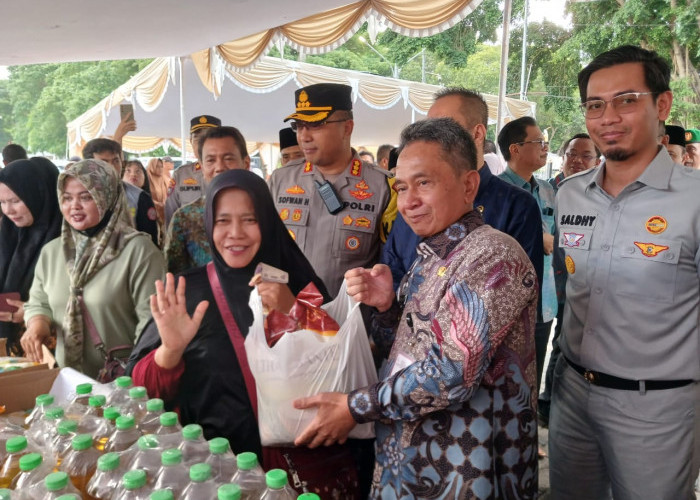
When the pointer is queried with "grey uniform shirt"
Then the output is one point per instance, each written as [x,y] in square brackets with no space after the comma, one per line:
[633,289]
[334,243]
[187,186]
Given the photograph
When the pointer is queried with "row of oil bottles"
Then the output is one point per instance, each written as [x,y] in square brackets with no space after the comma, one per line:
[125,446]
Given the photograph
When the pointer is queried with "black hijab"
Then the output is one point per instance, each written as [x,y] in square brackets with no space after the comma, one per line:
[277,248]
[34,182]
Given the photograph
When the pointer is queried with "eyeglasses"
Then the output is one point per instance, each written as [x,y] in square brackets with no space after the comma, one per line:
[299,125]
[623,103]
[543,144]
[583,158]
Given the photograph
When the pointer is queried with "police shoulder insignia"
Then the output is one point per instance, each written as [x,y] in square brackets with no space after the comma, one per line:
[356,169]
[656,224]
[570,265]
[308,167]
[650,249]
[197,167]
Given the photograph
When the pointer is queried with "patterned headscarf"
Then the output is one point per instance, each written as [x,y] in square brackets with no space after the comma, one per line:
[86,252]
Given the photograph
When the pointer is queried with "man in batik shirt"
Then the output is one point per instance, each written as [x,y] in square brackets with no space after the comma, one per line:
[455,411]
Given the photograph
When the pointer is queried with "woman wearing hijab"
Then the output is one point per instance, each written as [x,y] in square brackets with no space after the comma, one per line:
[188,358]
[101,270]
[31,219]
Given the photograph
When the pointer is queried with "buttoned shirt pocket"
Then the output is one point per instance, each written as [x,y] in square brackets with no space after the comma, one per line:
[296,219]
[576,243]
[354,232]
[645,268]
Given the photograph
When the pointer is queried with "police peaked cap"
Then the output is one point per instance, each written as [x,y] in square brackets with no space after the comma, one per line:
[315,102]
[204,121]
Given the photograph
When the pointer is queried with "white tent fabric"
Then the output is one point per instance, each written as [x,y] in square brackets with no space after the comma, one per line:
[256,101]
[41,31]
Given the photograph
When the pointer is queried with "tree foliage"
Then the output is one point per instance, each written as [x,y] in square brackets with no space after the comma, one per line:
[44,97]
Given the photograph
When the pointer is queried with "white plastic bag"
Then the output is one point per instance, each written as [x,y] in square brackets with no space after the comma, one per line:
[303,363]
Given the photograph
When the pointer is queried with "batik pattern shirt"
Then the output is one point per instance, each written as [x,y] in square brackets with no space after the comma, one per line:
[187,245]
[455,410]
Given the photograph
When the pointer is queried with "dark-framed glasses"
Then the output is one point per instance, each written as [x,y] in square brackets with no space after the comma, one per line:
[584,158]
[543,144]
[623,103]
[299,125]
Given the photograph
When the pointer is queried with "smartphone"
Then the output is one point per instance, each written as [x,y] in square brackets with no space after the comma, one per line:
[329,197]
[126,110]
[4,306]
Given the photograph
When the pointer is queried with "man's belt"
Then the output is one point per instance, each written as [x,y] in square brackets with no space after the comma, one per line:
[623,384]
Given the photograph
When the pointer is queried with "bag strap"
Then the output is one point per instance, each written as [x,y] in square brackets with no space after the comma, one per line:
[234,334]
[91,328]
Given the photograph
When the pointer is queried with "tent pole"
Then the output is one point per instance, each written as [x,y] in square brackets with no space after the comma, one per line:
[183,123]
[505,42]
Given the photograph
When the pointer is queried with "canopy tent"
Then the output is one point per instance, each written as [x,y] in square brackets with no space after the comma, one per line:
[256,101]
[241,30]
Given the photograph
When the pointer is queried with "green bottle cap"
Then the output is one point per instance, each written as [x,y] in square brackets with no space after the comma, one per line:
[200,472]
[15,444]
[69,496]
[229,492]
[123,382]
[155,404]
[111,413]
[134,479]
[137,392]
[125,423]
[168,419]
[54,414]
[83,389]
[30,461]
[108,461]
[308,496]
[5,494]
[56,481]
[44,400]
[97,401]
[276,479]
[247,460]
[148,442]
[81,442]
[66,426]
[171,457]
[219,446]
[191,432]
[162,495]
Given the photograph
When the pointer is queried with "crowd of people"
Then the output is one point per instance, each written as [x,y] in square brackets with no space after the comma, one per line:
[462,264]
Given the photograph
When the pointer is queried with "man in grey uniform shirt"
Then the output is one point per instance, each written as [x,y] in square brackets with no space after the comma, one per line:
[624,418]
[187,181]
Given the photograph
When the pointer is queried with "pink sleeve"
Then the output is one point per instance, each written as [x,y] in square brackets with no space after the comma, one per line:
[159,382]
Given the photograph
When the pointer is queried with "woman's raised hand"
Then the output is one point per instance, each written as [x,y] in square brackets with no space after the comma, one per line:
[175,326]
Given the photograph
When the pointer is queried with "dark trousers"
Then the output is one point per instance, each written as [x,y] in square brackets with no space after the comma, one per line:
[545,396]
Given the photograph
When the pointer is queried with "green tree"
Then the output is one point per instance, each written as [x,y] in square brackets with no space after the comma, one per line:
[44,97]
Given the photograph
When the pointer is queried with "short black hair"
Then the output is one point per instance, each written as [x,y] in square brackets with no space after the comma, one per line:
[565,146]
[657,72]
[490,146]
[13,152]
[513,133]
[383,151]
[456,143]
[220,133]
[101,145]
[477,111]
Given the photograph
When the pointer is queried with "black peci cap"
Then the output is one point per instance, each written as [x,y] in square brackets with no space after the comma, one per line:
[288,138]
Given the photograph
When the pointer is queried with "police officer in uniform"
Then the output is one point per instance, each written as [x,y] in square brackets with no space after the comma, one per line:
[338,208]
[187,182]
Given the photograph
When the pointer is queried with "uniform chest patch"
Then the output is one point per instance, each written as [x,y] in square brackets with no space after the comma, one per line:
[656,224]
[650,249]
[578,220]
[572,239]
[296,189]
[570,265]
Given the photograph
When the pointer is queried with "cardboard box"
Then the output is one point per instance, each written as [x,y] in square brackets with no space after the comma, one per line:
[19,389]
